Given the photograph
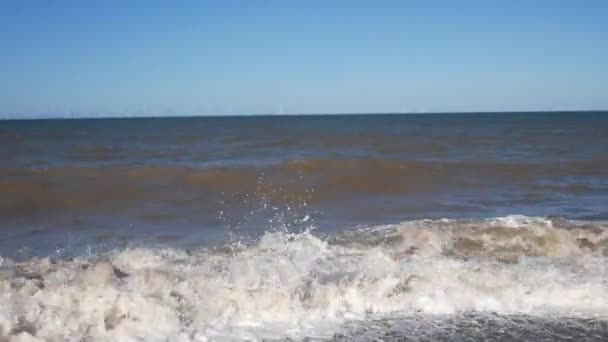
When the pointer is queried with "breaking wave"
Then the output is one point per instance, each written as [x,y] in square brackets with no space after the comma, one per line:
[288,285]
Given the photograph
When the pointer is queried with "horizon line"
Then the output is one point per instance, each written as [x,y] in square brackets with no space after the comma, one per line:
[7,117]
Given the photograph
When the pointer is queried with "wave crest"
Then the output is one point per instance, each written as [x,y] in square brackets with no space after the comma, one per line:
[296,285]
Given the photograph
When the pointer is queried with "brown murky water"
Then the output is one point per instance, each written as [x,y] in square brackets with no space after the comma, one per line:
[377,227]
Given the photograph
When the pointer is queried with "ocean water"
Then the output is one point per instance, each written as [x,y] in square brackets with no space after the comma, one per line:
[454,227]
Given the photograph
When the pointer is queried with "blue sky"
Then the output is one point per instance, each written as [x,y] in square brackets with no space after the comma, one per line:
[61,58]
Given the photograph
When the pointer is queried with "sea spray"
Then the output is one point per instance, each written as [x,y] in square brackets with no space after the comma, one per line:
[298,284]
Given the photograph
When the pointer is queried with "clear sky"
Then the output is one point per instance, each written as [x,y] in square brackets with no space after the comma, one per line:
[130,57]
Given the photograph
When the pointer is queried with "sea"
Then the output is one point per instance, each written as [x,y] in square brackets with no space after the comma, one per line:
[380,227]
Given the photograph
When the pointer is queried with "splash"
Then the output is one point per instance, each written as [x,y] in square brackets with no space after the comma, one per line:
[302,285]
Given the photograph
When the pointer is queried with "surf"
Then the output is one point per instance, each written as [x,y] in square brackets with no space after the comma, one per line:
[297,285]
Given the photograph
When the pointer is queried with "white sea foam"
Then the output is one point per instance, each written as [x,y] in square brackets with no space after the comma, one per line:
[295,285]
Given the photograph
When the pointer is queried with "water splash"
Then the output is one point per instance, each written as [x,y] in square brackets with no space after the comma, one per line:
[298,284]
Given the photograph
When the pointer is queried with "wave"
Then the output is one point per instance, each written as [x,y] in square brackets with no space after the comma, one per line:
[288,285]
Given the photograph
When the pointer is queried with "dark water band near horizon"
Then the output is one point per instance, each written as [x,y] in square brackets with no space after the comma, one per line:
[354,227]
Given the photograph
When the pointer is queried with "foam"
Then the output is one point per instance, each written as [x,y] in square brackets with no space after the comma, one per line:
[296,285]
